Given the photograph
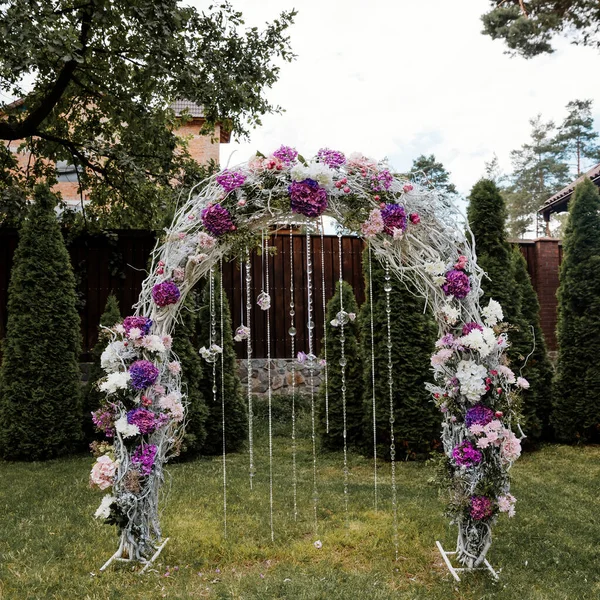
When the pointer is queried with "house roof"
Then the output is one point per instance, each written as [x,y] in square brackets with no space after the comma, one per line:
[191,108]
[559,202]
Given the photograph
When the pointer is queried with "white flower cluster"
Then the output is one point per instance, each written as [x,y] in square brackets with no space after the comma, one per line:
[483,342]
[471,377]
[103,511]
[126,429]
[115,381]
[492,314]
[320,172]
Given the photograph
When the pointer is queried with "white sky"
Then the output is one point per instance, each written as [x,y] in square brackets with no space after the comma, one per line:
[400,78]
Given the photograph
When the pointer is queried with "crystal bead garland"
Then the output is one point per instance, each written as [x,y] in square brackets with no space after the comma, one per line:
[374,405]
[387,287]
[326,367]
[265,250]
[342,319]
[249,364]
[292,334]
[223,403]
[311,359]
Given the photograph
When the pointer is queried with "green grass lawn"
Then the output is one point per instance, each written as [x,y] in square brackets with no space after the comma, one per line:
[52,548]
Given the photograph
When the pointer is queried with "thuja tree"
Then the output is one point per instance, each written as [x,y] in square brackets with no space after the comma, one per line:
[92,396]
[413,335]
[487,219]
[185,345]
[40,380]
[236,424]
[334,439]
[576,415]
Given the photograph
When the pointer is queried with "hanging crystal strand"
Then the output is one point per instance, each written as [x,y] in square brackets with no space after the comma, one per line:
[269,391]
[342,319]
[249,364]
[373,380]
[388,309]
[292,333]
[311,369]
[223,403]
[324,329]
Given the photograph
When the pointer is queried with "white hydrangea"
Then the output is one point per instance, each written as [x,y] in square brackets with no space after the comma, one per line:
[471,377]
[115,381]
[492,314]
[483,342]
[103,511]
[126,429]
[436,267]
[451,313]
[320,172]
[153,343]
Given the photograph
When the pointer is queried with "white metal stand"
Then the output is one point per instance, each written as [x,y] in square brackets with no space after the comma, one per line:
[118,556]
[456,570]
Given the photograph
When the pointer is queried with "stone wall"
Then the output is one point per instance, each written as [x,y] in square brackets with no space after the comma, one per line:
[281,376]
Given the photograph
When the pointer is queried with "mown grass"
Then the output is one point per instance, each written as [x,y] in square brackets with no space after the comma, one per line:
[51,548]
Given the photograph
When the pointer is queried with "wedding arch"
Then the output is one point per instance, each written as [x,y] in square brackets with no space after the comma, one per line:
[417,233]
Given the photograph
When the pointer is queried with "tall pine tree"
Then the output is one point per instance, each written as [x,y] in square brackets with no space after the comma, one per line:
[236,424]
[576,415]
[334,440]
[40,379]
[413,334]
[435,173]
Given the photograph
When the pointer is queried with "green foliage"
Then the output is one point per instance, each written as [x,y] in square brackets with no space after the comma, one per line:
[92,396]
[508,282]
[413,334]
[434,171]
[334,440]
[236,424]
[576,415]
[114,68]
[40,380]
[528,28]
[185,347]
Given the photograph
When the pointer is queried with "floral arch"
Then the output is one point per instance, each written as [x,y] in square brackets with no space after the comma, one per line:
[417,232]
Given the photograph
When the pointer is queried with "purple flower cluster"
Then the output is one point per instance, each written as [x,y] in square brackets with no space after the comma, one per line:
[143,374]
[217,220]
[468,327]
[381,181]
[286,154]
[230,180]
[466,455]
[141,323]
[165,293]
[479,415]
[394,217]
[104,419]
[457,284]
[308,198]
[144,456]
[144,419]
[481,507]
[332,158]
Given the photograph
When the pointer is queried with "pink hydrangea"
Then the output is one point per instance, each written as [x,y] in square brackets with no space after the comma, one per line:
[373,225]
[481,508]
[103,472]
[507,504]
[441,357]
[510,449]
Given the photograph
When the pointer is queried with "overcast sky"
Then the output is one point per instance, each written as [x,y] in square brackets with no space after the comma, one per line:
[400,78]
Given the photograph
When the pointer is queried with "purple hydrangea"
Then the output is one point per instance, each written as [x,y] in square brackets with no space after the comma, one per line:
[481,507]
[141,323]
[143,374]
[144,419]
[144,457]
[381,181]
[286,154]
[332,158]
[468,327]
[479,415]
[217,220]
[394,217]
[457,284]
[104,419]
[230,180]
[165,293]
[308,198]
[466,455]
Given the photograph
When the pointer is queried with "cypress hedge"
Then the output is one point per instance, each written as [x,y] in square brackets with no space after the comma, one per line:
[576,415]
[334,440]
[40,379]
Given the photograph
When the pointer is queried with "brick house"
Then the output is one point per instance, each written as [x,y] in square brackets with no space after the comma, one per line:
[202,148]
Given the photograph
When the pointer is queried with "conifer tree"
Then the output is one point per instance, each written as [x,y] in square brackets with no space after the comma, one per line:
[92,396]
[185,347]
[40,379]
[576,415]
[236,424]
[413,334]
[334,440]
